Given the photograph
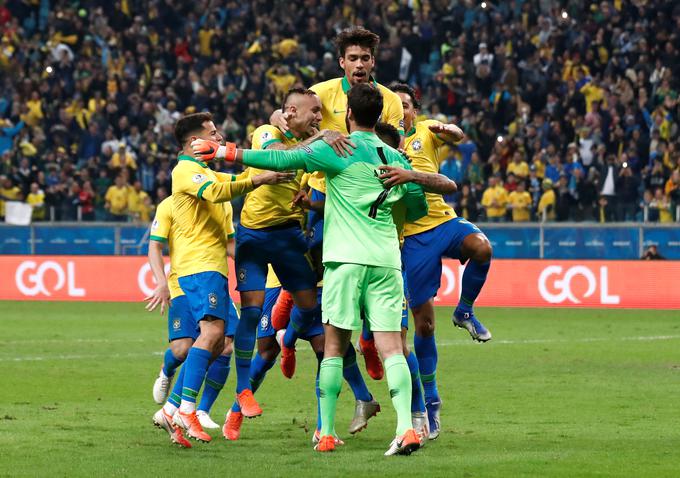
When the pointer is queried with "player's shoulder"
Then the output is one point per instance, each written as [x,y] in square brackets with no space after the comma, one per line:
[165,206]
[326,86]
[388,95]
[266,134]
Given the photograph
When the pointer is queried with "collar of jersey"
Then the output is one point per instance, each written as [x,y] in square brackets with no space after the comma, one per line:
[289,135]
[185,157]
[346,85]
[411,132]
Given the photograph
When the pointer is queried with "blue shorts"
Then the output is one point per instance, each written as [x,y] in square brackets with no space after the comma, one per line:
[422,256]
[284,248]
[207,294]
[265,328]
[181,323]
[404,312]
[315,221]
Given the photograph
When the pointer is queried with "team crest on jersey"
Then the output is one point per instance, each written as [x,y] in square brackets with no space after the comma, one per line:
[264,322]
[265,136]
[154,225]
[199,178]
[175,324]
[241,275]
[417,145]
[212,300]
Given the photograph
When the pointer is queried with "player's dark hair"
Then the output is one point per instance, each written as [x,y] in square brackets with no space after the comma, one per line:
[190,124]
[356,36]
[388,134]
[366,103]
[406,89]
[295,91]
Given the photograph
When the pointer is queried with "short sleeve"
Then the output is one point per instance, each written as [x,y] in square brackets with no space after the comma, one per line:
[189,177]
[160,227]
[229,220]
[266,135]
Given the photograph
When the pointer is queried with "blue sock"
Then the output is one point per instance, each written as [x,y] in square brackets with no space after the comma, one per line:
[214,381]
[351,373]
[244,343]
[417,403]
[319,358]
[196,366]
[474,278]
[170,363]
[300,320]
[176,395]
[426,351]
[366,333]
[258,369]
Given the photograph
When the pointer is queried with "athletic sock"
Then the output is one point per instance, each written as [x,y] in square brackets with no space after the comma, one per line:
[175,396]
[244,343]
[426,351]
[366,333]
[300,320]
[474,278]
[170,363]
[330,382]
[417,402]
[214,381]
[351,373]
[258,369]
[399,382]
[196,365]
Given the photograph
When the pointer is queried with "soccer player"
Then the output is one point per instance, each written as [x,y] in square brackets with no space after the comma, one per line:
[356,56]
[360,253]
[200,260]
[427,241]
[182,331]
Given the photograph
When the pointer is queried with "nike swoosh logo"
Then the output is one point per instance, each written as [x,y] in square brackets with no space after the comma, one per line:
[336,111]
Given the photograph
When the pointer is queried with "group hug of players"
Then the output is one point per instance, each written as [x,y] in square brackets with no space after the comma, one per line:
[277,249]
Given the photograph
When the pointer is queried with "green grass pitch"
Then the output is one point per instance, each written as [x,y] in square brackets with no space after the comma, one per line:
[556,393]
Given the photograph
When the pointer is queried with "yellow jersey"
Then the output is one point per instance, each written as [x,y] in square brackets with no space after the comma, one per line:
[272,280]
[162,231]
[333,96]
[521,202]
[500,195]
[11,194]
[547,203]
[521,169]
[422,146]
[199,216]
[118,198]
[271,204]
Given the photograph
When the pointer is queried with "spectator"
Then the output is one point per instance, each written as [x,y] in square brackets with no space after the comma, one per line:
[8,192]
[520,203]
[662,206]
[648,213]
[652,254]
[565,201]
[495,200]
[139,203]
[36,198]
[627,186]
[518,167]
[467,205]
[86,200]
[547,203]
[117,200]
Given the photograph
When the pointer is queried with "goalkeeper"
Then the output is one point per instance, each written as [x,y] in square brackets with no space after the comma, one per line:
[360,253]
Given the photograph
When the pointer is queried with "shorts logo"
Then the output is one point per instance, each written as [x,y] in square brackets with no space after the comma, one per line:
[417,145]
[241,275]
[212,300]
[199,178]
[266,136]
[311,233]
[264,322]
[175,324]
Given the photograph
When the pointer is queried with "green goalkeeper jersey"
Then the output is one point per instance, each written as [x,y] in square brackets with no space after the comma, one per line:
[358,224]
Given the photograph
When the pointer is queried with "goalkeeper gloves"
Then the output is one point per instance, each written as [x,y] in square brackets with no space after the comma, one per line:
[207,150]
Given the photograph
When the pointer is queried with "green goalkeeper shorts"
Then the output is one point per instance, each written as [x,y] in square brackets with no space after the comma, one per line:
[349,289]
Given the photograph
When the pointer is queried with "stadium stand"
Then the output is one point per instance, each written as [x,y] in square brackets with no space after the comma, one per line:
[578,102]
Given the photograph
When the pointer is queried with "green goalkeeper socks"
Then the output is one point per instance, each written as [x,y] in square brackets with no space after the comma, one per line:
[399,381]
[330,381]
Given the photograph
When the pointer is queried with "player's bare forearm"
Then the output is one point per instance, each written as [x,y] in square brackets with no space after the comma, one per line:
[161,294]
[231,247]
[435,183]
[449,133]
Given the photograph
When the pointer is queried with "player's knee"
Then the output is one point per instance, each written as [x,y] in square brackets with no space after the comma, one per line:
[404,343]
[267,348]
[305,299]
[424,322]
[228,346]
[480,248]
[180,349]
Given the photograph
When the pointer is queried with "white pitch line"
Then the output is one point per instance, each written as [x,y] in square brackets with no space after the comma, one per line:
[74,341]
[584,340]
[46,358]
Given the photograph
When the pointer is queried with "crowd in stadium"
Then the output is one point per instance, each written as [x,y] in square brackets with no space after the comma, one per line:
[570,113]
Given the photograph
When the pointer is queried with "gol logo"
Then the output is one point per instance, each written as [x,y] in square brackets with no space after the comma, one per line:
[145,279]
[563,285]
[31,280]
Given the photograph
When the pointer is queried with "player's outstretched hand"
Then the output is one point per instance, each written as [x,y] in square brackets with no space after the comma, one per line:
[160,296]
[280,120]
[448,129]
[204,149]
[274,177]
[394,176]
[340,143]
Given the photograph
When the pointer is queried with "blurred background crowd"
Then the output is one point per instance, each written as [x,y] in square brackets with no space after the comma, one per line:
[570,108]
